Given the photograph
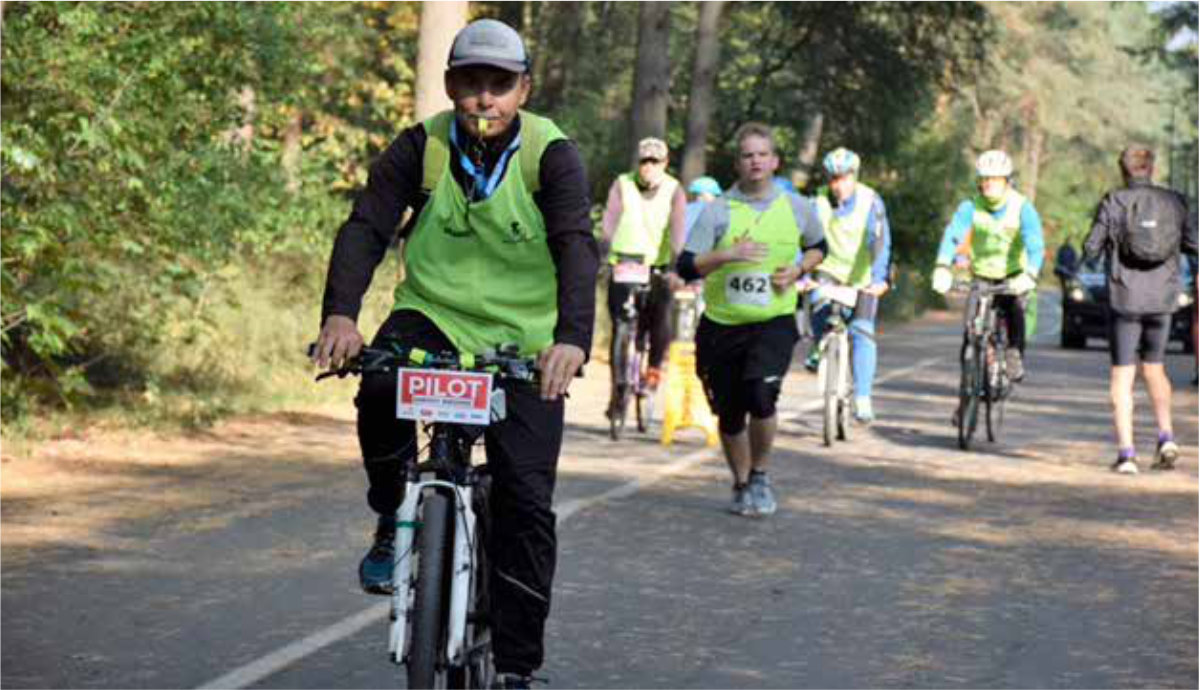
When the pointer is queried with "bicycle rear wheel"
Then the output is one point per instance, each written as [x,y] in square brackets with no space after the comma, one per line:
[828,372]
[968,396]
[426,667]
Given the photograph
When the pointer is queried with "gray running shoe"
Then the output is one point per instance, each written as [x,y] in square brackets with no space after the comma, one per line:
[1165,456]
[762,498]
[741,505]
[1125,466]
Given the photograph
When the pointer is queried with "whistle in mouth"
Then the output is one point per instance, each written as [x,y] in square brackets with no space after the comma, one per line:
[483,126]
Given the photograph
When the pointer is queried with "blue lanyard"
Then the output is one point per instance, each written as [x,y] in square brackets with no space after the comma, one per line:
[484,185]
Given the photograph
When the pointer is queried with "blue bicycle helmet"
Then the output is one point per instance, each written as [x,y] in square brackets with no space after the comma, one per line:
[841,161]
[704,185]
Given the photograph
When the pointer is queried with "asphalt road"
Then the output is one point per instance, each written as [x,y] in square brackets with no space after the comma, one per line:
[895,560]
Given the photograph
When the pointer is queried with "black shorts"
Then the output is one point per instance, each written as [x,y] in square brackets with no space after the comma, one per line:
[729,356]
[1134,335]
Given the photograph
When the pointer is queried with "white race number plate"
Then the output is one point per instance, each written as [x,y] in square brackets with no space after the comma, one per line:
[751,289]
[631,273]
[444,396]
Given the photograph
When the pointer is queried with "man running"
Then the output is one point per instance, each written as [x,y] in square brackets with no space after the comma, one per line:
[745,245]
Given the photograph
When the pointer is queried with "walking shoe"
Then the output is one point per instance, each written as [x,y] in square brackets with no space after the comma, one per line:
[1165,456]
[515,681]
[741,505]
[813,361]
[375,570]
[762,499]
[1125,466]
[862,410]
[1016,367]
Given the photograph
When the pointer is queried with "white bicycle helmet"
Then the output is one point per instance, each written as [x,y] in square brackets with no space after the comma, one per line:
[994,163]
[841,161]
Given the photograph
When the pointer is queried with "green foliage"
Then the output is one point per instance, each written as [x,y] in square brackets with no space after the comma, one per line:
[173,173]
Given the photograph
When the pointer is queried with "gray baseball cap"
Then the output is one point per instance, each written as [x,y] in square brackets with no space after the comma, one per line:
[489,42]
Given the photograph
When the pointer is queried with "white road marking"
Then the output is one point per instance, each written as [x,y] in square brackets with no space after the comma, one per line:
[251,673]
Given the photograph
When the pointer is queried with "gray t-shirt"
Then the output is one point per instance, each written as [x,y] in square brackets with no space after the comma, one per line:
[713,222]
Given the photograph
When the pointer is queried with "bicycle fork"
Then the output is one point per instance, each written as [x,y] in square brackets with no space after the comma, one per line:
[462,568]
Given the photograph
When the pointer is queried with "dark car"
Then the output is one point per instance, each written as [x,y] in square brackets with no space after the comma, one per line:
[1085,302]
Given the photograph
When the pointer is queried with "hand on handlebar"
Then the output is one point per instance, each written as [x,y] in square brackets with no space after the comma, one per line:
[558,365]
[339,341]
[876,289]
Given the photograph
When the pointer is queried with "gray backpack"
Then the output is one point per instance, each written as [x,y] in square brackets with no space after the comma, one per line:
[1153,227]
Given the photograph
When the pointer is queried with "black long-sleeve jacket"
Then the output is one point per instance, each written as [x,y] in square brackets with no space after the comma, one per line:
[394,184]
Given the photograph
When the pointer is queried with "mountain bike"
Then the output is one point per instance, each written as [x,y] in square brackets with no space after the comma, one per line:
[985,378]
[439,624]
[834,384]
[630,352]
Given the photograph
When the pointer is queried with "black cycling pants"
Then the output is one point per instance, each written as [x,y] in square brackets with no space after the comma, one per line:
[522,453]
[653,314]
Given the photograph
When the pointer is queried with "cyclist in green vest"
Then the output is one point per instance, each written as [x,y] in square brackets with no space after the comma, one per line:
[499,252]
[1006,245]
[746,245]
[859,252]
[644,223]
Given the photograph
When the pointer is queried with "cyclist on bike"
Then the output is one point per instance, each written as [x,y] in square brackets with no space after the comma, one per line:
[499,251]
[859,255]
[1005,245]
[745,245]
[642,207]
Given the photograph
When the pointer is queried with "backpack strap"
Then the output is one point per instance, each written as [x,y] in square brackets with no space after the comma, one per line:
[437,150]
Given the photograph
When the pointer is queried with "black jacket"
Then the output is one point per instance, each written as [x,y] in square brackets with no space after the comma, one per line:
[395,184]
[1138,289]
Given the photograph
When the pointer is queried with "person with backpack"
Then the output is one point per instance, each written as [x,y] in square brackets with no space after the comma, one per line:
[1140,230]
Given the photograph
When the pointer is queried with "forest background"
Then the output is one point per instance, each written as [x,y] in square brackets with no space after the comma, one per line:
[173,174]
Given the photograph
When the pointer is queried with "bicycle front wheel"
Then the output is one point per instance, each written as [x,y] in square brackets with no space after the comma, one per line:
[829,375]
[426,667]
[968,396]
[623,352]
[996,397]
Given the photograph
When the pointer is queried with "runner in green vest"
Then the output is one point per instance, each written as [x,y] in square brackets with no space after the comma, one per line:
[644,224]
[859,253]
[499,252]
[1006,245]
[750,246]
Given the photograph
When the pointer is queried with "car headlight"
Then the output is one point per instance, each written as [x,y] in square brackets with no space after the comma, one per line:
[1185,299]
[1077,294]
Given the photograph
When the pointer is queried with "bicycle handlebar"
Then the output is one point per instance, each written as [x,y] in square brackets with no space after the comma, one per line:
[394,354]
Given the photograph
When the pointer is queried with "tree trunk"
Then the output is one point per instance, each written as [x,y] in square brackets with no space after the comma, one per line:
[439,22]
[652,76]
[700,100]
[810,148]
[1034,138]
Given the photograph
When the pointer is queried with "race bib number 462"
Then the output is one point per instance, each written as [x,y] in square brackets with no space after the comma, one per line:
[750,289]
[444,396]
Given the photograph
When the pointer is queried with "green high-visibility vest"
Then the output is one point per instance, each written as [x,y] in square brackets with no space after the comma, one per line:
[482,271]
[642,230]
[997,250]
[741,292]
[847,239]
